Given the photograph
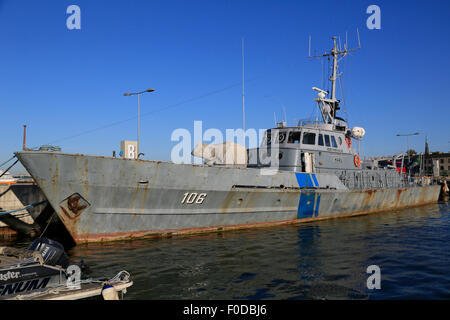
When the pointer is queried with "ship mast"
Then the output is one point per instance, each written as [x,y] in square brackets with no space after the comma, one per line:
[328,107]
[334,52]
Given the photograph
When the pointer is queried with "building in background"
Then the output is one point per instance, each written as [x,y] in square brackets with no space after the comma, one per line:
[437,164]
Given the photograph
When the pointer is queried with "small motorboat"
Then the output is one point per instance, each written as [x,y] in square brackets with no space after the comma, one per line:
[43,271]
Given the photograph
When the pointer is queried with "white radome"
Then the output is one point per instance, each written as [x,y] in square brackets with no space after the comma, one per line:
[358,132]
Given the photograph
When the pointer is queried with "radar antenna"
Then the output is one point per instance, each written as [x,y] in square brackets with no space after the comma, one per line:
[329,106]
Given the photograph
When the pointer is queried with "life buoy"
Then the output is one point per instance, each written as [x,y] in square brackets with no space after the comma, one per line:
[357,161]
[349,142]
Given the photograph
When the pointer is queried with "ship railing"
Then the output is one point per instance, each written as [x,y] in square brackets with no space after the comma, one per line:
[370,179]
[304,122]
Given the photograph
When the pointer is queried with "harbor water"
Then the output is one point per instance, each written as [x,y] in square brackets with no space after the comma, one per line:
[318,260]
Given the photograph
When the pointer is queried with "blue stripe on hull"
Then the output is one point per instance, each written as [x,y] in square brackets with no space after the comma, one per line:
[308,205]
[306,180]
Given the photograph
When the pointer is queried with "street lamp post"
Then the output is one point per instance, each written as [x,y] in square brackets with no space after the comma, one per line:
[408,135]
[138,94]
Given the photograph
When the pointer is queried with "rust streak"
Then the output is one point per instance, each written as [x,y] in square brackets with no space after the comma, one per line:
[117,236]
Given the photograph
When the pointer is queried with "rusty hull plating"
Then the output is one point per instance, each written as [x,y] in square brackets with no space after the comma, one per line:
[106,199]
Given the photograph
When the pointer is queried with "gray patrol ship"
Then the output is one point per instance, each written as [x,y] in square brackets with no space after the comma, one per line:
[307,172]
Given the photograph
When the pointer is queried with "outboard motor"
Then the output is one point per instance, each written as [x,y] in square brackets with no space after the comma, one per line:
[52,252]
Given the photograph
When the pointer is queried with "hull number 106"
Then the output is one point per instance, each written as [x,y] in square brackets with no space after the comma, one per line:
[193,197]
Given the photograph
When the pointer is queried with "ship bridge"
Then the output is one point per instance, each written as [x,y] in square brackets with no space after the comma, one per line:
[314,147]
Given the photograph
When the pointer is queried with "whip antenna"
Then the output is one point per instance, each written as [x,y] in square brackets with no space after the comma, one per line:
[243,99]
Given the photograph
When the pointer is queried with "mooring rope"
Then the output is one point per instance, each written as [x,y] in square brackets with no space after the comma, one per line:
[2,213]
[48,223]
[4,172]
[1,165]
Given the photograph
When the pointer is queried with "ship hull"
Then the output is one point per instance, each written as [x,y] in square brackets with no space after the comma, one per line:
[104,199]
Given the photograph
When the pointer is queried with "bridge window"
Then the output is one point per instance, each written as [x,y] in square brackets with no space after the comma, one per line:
[327,140]
[294,137]
[309,138]
[333,142]
[320,140]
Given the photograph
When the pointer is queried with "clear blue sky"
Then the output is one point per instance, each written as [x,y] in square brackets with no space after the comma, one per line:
[67,85]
